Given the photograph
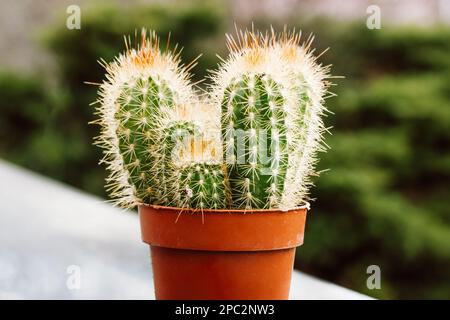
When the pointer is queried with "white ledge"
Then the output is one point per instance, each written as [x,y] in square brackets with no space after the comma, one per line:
[46,227]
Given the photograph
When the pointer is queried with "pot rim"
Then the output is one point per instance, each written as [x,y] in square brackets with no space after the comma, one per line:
[261,230]
[306,206]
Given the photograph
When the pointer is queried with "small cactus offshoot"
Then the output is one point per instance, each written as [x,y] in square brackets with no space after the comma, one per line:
[202,186]
[250,143]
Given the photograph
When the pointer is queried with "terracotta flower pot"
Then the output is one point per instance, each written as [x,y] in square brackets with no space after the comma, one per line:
[222,254]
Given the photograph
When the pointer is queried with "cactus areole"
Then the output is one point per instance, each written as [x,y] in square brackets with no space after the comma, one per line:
[221,179]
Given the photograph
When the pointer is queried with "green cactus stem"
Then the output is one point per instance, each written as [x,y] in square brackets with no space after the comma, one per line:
[271,94]
[141,95]
[253,129]
[172,149]
[140,103]
[202,186]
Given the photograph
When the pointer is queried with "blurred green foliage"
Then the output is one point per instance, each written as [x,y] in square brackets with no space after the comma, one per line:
[385,199]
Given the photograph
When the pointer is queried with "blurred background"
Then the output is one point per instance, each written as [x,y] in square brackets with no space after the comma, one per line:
[385,200]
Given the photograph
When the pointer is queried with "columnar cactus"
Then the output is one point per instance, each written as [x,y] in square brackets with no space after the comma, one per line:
[254,138]
[266,101]
[309,85]
[270,90]
[142,93]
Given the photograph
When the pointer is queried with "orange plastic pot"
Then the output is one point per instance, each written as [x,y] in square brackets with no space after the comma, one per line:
[222,254]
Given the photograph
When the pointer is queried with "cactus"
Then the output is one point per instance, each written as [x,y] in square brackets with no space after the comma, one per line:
[172,148]
[196,175]
[270,90]
[144,90]
[202,186]
[254,136]
[309,86]
[266,103]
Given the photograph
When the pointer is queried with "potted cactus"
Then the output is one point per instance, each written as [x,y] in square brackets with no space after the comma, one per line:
[220,180]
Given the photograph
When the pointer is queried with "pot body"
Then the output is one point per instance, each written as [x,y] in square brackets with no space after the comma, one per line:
[222,254]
